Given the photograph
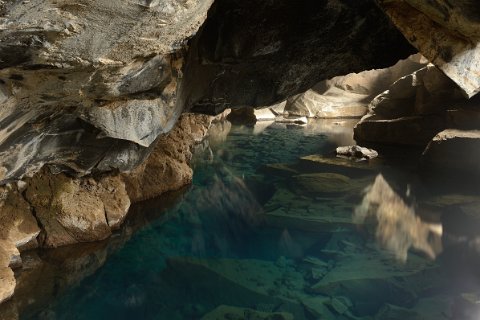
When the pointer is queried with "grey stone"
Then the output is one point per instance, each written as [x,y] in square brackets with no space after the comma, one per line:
[357,152]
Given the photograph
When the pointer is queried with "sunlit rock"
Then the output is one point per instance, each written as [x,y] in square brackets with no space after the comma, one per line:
[398,228]
[445,33]
[348,96]
[412,111]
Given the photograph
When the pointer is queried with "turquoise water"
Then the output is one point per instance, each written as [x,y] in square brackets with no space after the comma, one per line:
[265,233]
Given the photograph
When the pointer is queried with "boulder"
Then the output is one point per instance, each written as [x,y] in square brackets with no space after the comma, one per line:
[17,223]
[412,111]
[454,150]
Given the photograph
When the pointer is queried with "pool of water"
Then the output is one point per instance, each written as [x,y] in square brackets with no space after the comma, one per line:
[275,227]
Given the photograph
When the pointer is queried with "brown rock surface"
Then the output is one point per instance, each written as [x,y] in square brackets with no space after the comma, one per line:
[17,224]
[167,168]
[67,209]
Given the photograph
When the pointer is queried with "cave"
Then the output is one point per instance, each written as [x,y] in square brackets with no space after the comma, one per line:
[222,159]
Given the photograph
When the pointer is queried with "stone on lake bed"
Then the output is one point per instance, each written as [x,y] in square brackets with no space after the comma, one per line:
[279,170]
[357,152]
[315,183]
[224,312]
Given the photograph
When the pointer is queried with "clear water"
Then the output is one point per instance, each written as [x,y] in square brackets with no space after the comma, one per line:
[263,234]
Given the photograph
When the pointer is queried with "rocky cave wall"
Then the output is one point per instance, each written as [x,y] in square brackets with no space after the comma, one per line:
[83,95]
[90,92]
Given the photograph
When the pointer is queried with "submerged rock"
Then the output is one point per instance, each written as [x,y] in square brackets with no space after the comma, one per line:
[67,209]
[317,183]
[235,313]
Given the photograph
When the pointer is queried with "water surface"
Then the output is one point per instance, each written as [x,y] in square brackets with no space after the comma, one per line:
[275,227]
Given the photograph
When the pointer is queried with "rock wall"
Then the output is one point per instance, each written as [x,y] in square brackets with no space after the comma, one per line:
[85,96]
[446,32]
[348,96]
[256,53]
[52,210]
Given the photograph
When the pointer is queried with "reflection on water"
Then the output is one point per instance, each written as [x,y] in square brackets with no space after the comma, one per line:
[398,228]
[266,232]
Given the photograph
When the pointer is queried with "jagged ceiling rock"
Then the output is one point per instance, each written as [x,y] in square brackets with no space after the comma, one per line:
[89,85]
[255,53]
[445,32]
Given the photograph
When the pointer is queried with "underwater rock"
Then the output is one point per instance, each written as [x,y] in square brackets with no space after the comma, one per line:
[357,152]
[317,307]
[256,283]
[235,313]
[263,277]
[287,209]
[315,184]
